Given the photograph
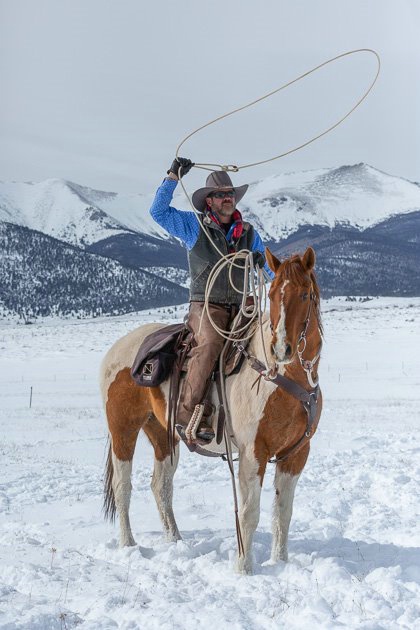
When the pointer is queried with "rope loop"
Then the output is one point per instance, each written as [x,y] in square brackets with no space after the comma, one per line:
[279,89]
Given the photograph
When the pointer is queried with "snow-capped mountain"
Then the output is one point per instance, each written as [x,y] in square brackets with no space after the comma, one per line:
[75,214]
[359,196]
[363,224]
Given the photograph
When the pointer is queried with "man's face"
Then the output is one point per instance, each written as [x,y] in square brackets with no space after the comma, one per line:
[222,202]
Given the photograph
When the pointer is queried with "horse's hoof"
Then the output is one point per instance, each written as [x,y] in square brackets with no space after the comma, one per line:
[244,567]
[272,562]
[283,556]
[171,538]
[244,571]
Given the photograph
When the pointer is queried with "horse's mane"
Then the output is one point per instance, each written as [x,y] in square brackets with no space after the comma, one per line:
[292,269]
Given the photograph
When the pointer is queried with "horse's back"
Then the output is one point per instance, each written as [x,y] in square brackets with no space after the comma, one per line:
[122,353]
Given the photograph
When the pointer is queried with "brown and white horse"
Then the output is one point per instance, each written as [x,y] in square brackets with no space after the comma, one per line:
[265,424]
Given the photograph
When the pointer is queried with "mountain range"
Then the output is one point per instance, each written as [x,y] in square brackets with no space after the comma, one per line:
[363,223]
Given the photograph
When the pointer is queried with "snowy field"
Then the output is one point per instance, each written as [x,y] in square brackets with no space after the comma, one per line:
[355,535]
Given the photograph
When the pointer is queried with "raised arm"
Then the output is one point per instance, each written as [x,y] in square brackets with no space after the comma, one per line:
[181,224]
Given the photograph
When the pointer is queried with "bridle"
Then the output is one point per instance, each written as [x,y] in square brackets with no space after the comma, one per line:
[306,364]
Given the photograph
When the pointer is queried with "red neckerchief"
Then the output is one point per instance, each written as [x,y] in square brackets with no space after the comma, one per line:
[235,230]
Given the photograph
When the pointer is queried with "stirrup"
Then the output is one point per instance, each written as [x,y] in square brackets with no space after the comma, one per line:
[181,432]
[204,437]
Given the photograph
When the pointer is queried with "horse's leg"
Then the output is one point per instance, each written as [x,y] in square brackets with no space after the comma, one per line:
[285,485]
[118,475]
[128,408]
[121,485]
[251,475]
[163,474]
[285,481]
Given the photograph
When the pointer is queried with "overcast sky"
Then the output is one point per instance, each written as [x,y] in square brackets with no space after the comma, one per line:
[101,92]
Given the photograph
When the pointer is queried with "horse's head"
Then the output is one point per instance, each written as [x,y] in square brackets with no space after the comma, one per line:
[294,307]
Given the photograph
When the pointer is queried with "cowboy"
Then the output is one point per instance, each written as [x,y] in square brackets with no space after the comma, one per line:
[217,204]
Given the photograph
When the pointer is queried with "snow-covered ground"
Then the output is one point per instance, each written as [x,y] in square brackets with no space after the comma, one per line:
[354,539]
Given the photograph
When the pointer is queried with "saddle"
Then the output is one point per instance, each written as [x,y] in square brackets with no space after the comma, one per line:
[169,347]
[164,353]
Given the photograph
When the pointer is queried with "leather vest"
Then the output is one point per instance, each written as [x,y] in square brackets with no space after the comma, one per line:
[202,258]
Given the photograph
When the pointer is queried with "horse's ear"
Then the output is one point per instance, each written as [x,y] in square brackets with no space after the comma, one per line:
[308,259]
[272,261]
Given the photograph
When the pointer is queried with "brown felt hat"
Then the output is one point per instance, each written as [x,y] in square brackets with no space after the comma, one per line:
[218,180]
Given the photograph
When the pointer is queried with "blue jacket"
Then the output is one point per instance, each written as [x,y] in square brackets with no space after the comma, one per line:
[184,224]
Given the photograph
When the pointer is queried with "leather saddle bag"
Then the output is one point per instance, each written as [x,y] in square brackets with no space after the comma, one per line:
[157,355]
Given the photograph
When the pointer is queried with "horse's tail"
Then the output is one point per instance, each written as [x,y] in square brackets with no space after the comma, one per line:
[109,507]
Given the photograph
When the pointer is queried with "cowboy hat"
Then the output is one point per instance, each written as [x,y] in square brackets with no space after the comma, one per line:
[218,180]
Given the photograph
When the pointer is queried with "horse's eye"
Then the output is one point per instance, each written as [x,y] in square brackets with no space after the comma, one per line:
[304,296]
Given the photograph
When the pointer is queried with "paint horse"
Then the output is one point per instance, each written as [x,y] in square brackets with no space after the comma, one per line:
[268,424]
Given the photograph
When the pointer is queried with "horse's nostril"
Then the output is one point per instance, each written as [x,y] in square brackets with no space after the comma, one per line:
[288,350]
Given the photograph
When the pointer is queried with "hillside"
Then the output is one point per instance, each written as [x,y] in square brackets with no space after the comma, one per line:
[41,276]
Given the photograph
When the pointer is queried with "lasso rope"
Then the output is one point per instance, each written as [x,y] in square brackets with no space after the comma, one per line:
[246,255]
[234,168]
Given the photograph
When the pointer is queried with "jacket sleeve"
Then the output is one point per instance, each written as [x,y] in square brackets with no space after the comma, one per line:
[257,245]
[183,225]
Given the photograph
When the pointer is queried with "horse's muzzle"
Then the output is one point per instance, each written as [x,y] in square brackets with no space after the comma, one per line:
[284,354]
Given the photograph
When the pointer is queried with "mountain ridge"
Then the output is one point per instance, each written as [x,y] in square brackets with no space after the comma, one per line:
[364,225]
[278,205]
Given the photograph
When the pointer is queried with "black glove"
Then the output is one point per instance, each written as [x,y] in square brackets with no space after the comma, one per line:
[258,258]
[185,164]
